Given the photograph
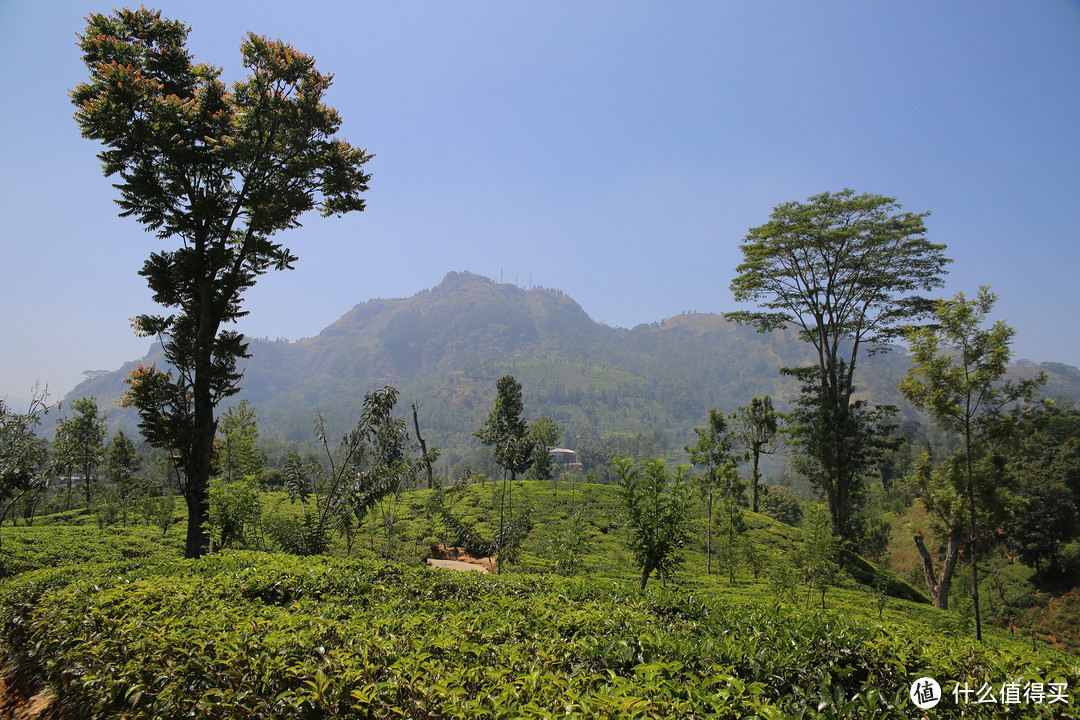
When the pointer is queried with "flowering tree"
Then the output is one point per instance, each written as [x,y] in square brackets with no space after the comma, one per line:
[220,171]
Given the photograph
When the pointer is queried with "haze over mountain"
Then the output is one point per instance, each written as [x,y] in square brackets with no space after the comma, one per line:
[445,348]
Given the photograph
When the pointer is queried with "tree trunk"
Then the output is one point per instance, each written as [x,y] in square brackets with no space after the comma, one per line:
[834,497]
[86,480]
[757,454]
[423,448]
[196,544]
[502,535]
[939,586]
[645,572]
[972,541]
[200,465]
[708,527]
[198,481]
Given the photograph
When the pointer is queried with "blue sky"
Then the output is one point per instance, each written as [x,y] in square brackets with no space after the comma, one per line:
[617,151]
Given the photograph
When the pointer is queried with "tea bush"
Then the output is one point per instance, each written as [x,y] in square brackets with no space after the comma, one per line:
[255,635]
[42,546]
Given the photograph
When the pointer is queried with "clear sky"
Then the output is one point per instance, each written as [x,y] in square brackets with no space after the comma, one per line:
[617,151]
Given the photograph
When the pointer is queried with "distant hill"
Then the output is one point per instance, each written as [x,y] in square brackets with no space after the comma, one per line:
[445,348]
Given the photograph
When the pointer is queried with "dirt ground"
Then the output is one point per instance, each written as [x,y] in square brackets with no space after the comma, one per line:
[17,703]
[457,565]
[455,558]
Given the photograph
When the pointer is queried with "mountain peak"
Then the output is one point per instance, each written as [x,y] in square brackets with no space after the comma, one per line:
[447,347]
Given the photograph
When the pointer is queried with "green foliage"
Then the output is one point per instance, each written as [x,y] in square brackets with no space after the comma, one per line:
[50,546]
[220,170]
[838,442]
[942,494]
[567,549]
[958,370]
[373,462]
[882,579]
[1046,475]
[506,431]
[657,504]
[249,635]
[844,269]
[164,512]
[874,533]
[22,453]
[713,450]
[544,434]
[121,463]
[816,559]
[780,503]
[80,441]
[729,520]
[755,428]
[957,376]
[238,453]
[841,267]
[235,513]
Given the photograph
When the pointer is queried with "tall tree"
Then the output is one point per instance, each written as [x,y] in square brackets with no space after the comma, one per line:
[814,557]
[829,433]
[730,519]
[221,170]
[657,504]
[755,429]
[82,439]
[63,457]
[845,270]
[544,434]
[238,451]
[121,461]
[957,376]
[713,450]
[507,432]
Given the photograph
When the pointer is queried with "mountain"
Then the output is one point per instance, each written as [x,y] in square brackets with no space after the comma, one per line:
[445,348]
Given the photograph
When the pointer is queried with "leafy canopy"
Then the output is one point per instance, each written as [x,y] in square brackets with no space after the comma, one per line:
[957,375]
[239,431]
[755,427]
[839,267]
[222,170]
[657,503]
[22,452]
[81,439]
[506,430]
[959,368]
[845,270]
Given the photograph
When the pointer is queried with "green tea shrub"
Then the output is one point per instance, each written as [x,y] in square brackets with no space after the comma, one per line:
[258,635]
[31,548]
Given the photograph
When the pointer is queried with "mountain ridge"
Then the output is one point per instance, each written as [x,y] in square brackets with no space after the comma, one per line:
[446,347]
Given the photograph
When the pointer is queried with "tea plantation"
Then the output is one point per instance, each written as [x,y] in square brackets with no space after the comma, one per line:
[246,634]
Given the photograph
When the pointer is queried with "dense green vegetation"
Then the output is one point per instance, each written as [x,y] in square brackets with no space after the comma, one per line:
[562,631]
[255,635]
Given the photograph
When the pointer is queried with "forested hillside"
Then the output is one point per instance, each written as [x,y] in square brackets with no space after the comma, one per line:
[444,349]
